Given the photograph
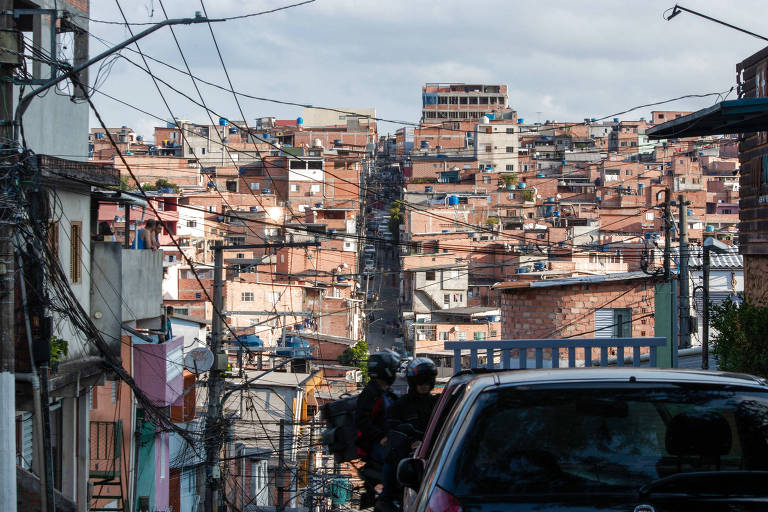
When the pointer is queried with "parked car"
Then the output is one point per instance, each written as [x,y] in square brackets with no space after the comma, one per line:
[593,439]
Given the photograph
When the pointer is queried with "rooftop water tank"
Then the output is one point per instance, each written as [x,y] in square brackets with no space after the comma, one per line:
[484,119]
[251,341]
[425,144]
[520,120]
[615,119]
[593,119]
[266,191]
[139,138]
[223,121]
[428,188]
[453,200]
[541,175]
[318,143]
[491,116]
[710,229]
[265,136]
[299,120]
[521,185]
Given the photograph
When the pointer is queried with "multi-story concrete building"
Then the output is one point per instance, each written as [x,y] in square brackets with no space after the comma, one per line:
[462,101]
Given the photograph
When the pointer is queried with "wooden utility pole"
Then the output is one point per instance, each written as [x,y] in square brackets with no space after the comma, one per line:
[7,277]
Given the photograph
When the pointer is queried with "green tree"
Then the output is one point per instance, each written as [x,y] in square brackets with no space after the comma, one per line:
[125,183]
[492,221]
[163,183]
[740,344]
[356,356]
[396,217]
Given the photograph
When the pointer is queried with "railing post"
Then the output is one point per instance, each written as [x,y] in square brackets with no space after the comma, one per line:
[571,357]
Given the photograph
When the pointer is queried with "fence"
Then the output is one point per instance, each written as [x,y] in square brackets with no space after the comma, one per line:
[503,351]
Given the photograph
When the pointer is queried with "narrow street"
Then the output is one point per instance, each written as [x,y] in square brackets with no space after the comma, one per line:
[382,283]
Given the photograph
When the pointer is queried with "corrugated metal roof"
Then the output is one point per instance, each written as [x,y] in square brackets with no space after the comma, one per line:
[730,260]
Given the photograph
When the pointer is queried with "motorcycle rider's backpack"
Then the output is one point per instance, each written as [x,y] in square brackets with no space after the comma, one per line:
[341,432]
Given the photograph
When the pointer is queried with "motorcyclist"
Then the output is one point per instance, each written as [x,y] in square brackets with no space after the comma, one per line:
[372,404]
[408,419]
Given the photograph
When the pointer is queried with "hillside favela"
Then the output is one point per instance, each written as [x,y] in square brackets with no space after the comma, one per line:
[507,290]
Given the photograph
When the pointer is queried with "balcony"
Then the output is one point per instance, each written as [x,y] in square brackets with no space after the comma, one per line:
[126,287]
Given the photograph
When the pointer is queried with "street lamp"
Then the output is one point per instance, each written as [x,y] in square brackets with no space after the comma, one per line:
[710,244]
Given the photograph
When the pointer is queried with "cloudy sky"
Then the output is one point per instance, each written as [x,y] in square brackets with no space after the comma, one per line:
[562,60]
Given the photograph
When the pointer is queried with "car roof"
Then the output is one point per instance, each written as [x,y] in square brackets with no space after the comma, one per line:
[565,375]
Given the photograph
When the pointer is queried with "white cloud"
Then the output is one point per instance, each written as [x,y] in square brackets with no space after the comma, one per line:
[567,60]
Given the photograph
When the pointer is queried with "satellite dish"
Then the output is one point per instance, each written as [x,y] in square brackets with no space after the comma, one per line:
[559,196]
[198,360]
[538,196]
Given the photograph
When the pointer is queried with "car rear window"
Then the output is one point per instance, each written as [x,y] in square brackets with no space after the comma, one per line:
[531,441]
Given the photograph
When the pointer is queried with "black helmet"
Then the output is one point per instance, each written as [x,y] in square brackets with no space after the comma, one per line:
[421,371]
[384,366]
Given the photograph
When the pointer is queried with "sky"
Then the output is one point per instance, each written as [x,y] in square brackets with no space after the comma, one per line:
[561,60]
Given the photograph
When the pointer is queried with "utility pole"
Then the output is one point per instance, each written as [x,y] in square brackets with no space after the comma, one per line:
[281,468]
[7,292]
[685,304]
[214,415]
[667,234]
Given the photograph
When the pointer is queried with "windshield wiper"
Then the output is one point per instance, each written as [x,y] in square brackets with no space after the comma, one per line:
[711,483]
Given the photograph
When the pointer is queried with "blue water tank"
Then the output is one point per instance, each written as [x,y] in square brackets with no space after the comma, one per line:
[710,229]
[541,175]
[491,116]
[446,231]
[124,127]
[295,346]
[523,270]
[265,136]
[593,119]
[548,210]
[453,200]
[425,144]
[521,185]
[139,138]
[223,121]
[266,191]
[520,120]
[556,213]
[549,200]
[615,119]
[299,120]
[232,130]
[251,340]
[539,266]
[690,212]
[494,318]
[170,124]
[428,189]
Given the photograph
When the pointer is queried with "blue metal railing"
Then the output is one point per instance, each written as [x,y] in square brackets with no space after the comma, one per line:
[504,348]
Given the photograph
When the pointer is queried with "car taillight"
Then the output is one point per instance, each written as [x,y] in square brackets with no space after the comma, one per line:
[443,501]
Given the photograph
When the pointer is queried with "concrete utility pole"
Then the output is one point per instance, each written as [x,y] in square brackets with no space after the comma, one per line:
[214,415]
[685,303]
[667,235]
[7,277]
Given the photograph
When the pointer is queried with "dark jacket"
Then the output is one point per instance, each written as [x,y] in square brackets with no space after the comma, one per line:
[413,409]
[370,416]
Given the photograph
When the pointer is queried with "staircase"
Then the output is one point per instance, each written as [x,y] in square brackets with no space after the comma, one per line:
[106,444]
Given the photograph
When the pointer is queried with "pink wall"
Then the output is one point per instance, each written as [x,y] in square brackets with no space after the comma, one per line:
[158,371]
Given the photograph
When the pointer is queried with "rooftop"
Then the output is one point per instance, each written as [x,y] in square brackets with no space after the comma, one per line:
[569,281]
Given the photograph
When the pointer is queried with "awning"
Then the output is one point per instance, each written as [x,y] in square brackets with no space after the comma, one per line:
[745,115]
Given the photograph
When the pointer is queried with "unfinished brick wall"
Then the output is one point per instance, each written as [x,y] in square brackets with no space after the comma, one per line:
[569,311]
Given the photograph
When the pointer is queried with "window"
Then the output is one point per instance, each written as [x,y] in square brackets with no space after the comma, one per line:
[191,223]
[75,252]
[628,172]
[479,336]
[613,323]
[255,186]
[494,333]
[429,275]
[649,216]
[274,297]
[488,149]
[211,209]
[202,151]
[315,189]
[113,390]
[462,336]
[454,274]
[198,295]
[294,187]
[231,185]
[445,336]
[510,149]
[511,167]
[447,299]
[486,180]
[246,296]
[510,130]
[661,116]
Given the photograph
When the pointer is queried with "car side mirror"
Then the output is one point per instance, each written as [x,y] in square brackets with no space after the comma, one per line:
[410,472]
